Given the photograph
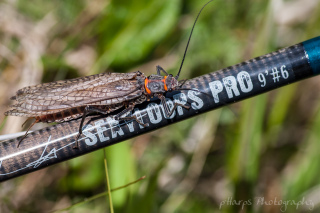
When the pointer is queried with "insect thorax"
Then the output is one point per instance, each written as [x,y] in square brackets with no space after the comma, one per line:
[160,84]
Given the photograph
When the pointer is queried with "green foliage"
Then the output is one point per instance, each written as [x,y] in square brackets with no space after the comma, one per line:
[127,32]
[266,146]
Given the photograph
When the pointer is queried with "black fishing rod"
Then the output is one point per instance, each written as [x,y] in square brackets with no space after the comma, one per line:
[54,144]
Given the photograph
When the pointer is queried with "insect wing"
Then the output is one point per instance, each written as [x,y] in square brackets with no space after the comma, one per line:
[101,89]
[74,84]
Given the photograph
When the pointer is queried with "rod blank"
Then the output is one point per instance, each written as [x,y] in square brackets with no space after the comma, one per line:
[54,144]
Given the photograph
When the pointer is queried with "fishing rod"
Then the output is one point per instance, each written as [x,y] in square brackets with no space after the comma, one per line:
[54,144]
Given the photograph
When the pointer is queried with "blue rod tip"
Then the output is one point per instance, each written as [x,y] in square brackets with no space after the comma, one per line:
[312,48]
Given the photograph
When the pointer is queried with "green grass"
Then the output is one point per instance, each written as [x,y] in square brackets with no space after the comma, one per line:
[264,147]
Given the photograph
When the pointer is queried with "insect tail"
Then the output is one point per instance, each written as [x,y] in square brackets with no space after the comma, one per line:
[185,51]
[25,135]
[28,119]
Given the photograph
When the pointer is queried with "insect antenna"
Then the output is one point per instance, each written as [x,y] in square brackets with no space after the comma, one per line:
[185,51]
[194,90]
[182,82]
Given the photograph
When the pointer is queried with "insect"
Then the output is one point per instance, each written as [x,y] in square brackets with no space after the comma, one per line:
[64,100]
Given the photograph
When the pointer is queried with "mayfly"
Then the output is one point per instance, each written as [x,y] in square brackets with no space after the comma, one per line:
[64,100]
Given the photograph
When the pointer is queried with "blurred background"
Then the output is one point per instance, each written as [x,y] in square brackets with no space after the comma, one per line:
[263,149]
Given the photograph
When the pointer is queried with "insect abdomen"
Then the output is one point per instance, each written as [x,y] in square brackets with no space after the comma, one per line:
[74,113]
[62,116]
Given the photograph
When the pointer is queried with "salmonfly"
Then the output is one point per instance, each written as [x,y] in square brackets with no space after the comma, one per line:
[65,100]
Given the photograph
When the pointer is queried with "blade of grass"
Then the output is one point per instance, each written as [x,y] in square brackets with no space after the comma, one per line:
[244,149]
[280,110]
[302,172]
[102,194]
[108,181]
[122,167]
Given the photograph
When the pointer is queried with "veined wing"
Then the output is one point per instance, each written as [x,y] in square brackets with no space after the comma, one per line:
[75,83]
[53,100]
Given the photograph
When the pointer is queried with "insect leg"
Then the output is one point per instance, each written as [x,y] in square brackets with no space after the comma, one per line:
[91,108]
[166,107]
[126,110]
[159,69]
[25,135]
[87,110]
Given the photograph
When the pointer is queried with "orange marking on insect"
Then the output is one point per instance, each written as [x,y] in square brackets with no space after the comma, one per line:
[164,83]
[146,81]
